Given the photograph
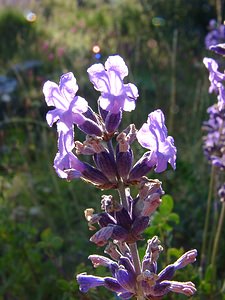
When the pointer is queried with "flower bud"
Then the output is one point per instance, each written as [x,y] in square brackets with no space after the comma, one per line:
[123,218]
[106,163]
[143,166]
[139,225]
[112,121]
[90,127]
[94,176]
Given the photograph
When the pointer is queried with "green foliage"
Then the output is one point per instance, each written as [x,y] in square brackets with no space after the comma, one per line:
[16,34]
[164,219]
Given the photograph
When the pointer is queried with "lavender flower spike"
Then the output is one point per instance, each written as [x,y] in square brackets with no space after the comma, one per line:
[153,136]
[68,107]
[115,95]
[214,75]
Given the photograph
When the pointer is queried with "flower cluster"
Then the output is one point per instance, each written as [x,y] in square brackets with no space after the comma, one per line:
[214,140]
[216,34]
[126,283]
[121,221]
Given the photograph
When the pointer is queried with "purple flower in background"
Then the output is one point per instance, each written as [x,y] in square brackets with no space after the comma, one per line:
[216,34]
[68,107]
[153,136]
[214,139]
[115,95]
[214,75]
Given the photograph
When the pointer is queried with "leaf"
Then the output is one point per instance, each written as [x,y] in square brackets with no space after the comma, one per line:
[167,205]
[173,217]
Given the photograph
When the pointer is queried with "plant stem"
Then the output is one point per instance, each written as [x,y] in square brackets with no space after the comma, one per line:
[217,238]
[173,81]
[122,193]
[205,232]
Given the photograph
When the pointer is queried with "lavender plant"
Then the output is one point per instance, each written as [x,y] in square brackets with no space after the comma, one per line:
[123,219]
[213,147]
[216,34]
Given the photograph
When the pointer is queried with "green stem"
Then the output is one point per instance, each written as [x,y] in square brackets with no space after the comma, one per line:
[122,193]
[217,238]
[208,208]
[219,11]
[173,81]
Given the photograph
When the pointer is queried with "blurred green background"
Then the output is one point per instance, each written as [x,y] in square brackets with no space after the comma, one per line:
[44,239]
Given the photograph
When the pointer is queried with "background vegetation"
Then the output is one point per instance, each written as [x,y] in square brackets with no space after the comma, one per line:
[43,234]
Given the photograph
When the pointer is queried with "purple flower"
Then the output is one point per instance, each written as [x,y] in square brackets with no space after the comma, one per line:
[153,136]
[65,160]
[126,283]
[216,34]
[213,141]
[221,96]
[68,107]
[214,75]
[115,95]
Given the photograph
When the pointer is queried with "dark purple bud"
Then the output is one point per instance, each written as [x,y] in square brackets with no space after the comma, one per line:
[167,273]
[139,225]
[142,167]
[124,161]
[87,282]
[112,121]
[90,114]
[106,163]
[90,127]
[123,218]
[119,233]
[126,263]
[103,113]
[105,219]
[113,285]
[160,289]
[94,175]
[102,236]
[125,275]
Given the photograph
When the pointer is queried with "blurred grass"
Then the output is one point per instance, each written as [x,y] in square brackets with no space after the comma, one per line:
[44,237]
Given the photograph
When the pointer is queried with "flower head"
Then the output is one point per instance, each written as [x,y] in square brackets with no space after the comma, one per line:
[126,283]
[108,79]
[153,136]
[68,107]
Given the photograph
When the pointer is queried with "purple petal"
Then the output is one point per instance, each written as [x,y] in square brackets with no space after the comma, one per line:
[109,81]
[99,77]
[53,96]
[102,236]
[53,116]
[219,48]
[116,63]
[68,86]
[87,282]
[153,136]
